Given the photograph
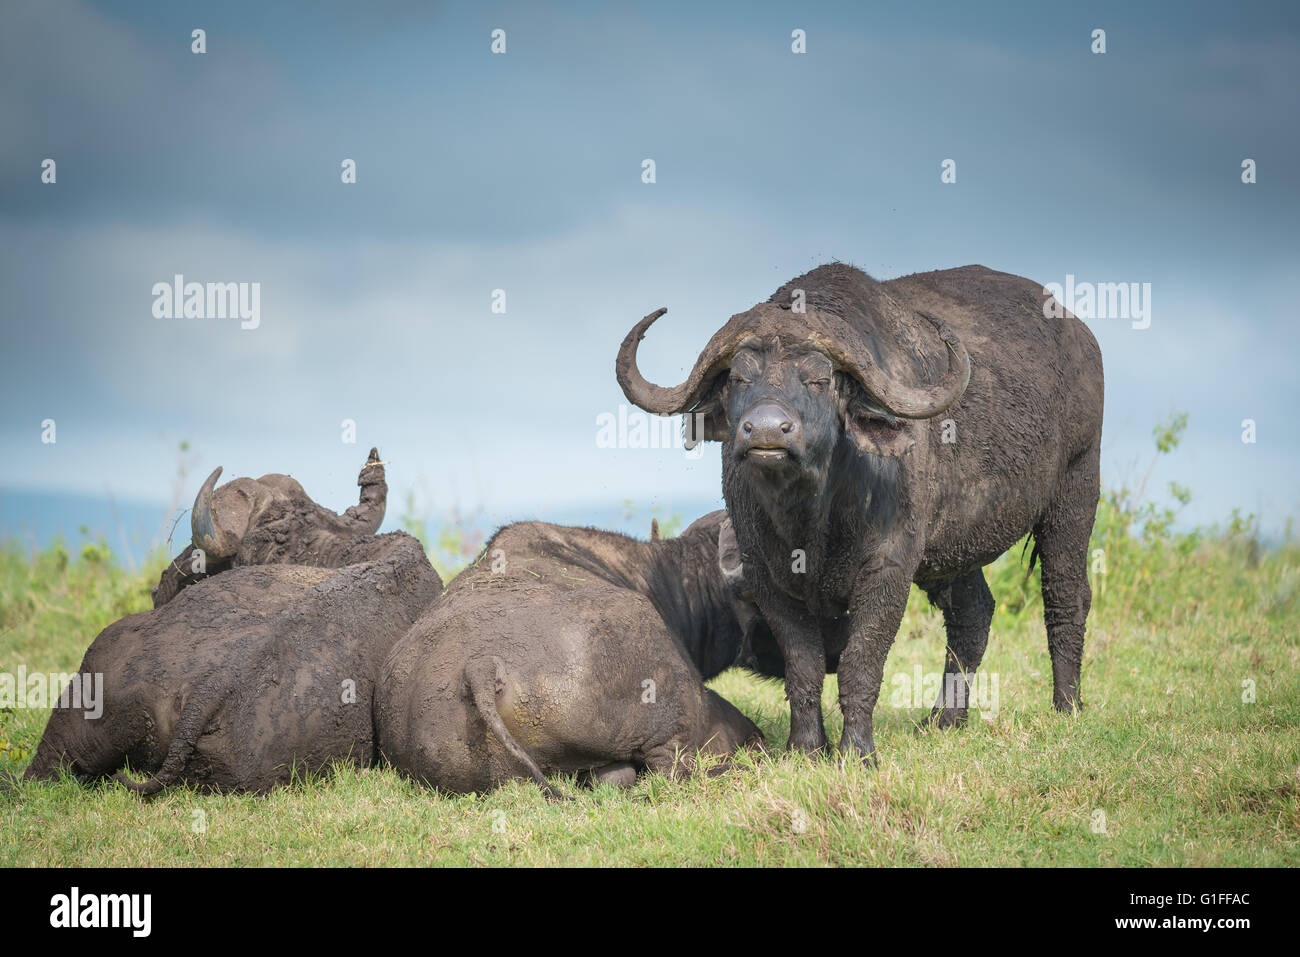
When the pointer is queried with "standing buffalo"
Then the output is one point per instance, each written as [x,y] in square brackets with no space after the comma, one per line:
[845,486]
[272,520]
[246,677]
[566,650]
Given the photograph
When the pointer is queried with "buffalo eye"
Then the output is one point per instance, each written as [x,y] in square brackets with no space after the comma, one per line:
[817,385]
[737,377]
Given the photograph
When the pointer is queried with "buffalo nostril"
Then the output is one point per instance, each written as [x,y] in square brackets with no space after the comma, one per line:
[768,426]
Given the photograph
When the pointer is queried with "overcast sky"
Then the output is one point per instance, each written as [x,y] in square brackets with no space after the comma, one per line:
[523,172]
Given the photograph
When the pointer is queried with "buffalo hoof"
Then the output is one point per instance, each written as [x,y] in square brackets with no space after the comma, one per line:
[812,741]
[145,789]
[555,795]
[945,718]
[860,746]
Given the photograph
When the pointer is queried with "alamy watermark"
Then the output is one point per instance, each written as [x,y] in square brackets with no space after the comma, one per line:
[1101,300]
[179,299]
[129,911]
[921,689]
[81,692]
[630,428]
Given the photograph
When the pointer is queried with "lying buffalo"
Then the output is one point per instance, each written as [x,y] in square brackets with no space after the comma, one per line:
[272,520]
[246,677]
[566,650]
[845,485]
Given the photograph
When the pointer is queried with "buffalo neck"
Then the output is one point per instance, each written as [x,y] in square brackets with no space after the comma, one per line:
[796,529]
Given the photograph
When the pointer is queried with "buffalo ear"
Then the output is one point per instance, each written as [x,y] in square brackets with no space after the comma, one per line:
[730,562]
[870,427]
[707,422]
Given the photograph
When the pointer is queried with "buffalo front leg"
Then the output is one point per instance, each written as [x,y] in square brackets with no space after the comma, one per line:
[799,637]
[874,617]
[967,606]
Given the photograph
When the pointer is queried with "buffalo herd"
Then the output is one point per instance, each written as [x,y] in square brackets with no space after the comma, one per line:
[874,435]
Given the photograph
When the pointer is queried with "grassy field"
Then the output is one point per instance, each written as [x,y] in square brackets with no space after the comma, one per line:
[1187,752]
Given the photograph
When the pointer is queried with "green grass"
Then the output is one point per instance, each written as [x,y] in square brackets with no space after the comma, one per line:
[1185,772]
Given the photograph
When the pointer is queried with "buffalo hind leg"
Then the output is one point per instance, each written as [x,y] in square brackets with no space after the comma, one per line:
[198,714]
[621,774]
[1061,538]
[83,748]
[486,678]
[967,606]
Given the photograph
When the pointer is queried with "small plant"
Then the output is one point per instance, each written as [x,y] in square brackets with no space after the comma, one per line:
[456,544]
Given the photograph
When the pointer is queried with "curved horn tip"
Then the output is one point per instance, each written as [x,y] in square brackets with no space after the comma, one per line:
[211,481]
[646,395]
[202,527]
[642,326]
